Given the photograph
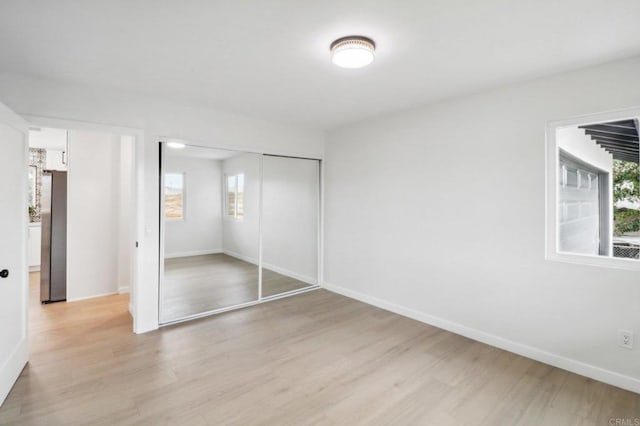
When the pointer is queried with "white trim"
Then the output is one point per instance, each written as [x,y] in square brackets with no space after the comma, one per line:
[162,231]
[222,146]
[551,193]
[123,289]
[320,221]
[282,271]
[592,260]
[241,305]
[260,224]
[95,296]
[192,253]
[291,293]
[34,268]
[556,360]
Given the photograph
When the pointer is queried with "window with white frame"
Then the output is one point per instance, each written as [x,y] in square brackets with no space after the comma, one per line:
[234,187]
[593,190]
[174,194]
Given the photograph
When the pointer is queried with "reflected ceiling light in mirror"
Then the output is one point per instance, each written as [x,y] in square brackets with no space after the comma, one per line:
[176,145]
[352,51]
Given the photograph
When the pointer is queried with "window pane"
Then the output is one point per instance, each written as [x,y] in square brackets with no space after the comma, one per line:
[572,177]
[231,203]
[240,197]
[231,195]
[174,196]
[231,184]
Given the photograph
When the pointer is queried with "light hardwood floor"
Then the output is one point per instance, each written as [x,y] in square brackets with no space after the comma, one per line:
[197,284]
[315,358]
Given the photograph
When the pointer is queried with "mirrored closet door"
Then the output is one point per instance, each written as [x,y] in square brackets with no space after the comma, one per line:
[211,203]
[217,207]
[290,201]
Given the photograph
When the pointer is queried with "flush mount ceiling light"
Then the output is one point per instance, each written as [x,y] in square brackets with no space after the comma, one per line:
[352,51]
[175,145]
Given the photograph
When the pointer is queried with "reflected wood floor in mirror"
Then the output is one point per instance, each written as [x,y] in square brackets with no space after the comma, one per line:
[197,284]
[315,358]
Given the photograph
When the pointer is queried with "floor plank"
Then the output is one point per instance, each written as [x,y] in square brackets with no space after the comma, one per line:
[315,358]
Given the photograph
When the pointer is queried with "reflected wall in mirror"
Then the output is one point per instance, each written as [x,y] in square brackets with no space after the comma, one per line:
[290,201]
[211,230]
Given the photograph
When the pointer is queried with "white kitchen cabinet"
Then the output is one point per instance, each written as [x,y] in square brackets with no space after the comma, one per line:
[56,159]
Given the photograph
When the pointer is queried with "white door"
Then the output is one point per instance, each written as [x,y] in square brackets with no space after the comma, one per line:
[14,348]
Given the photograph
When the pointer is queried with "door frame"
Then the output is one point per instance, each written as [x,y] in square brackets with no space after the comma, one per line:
[135,304]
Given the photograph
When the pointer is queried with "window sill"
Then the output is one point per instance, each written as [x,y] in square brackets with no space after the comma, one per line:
[598,261]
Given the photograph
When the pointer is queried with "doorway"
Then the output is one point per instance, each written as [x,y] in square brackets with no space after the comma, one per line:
[98,166]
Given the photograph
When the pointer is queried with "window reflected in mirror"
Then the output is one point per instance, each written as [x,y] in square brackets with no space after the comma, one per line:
[174,195]
[235,196]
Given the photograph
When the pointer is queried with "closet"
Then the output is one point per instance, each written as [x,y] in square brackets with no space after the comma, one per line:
[237,228]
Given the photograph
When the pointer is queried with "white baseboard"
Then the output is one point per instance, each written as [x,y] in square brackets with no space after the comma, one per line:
[77,299]
[192,253]
[123,289]
[34,268]
[240,256]
[296,276]
[569,364]
[274,268]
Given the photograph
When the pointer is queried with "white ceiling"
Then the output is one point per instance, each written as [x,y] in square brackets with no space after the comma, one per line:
[270,58]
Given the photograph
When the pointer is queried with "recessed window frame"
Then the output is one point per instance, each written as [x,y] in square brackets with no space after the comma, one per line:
[235,216]
[184,197]
[552,159]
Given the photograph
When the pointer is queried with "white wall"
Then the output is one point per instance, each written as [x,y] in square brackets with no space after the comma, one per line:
[577,143]
[93,182]
[241,237]
[48,138]
[439,213]
[290,217]
[156,118]
[200,232]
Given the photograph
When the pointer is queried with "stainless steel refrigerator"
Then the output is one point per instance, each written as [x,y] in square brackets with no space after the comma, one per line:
[53,215]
